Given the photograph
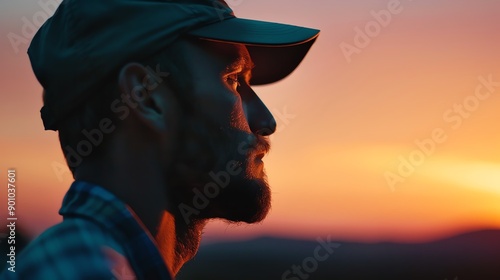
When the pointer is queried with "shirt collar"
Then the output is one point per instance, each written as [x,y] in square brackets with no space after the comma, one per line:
[90,201]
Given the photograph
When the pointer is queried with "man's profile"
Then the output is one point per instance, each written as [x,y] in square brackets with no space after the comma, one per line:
[160,127]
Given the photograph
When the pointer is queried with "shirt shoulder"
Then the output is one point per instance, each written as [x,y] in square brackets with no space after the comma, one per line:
[74,249]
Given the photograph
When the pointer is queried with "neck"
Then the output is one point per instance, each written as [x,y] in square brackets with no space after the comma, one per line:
[177,242]
[147,196]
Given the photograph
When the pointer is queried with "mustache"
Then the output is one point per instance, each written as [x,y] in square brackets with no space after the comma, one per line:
[258,144]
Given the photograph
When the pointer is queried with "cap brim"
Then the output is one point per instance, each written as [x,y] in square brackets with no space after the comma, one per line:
[276,49]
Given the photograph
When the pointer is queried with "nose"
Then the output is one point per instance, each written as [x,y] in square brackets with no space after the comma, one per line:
[260,119]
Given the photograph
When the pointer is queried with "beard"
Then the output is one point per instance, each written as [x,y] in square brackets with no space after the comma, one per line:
[244,191]
[217,171]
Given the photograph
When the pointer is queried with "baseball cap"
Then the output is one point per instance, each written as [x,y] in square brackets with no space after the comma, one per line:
[85,41]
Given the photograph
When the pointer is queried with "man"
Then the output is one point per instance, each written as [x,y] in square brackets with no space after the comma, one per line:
[160,127]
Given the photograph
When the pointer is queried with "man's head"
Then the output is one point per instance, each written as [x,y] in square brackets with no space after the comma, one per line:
[168,83]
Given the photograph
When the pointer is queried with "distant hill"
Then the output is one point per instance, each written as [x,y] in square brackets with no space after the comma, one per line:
[474,256]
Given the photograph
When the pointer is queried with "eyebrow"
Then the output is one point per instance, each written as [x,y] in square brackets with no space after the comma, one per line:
[241,64]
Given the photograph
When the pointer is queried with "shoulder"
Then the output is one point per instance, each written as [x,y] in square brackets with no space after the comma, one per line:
[73,249]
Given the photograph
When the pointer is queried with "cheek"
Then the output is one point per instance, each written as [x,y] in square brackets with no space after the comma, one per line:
[226,107]
[172,120]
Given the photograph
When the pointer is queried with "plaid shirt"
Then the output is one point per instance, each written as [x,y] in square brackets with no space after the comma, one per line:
[100,238]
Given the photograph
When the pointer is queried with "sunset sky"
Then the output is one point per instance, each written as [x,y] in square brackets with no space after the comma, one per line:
[388,130]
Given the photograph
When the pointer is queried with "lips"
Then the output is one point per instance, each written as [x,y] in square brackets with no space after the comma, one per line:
[259,147]
[260,155]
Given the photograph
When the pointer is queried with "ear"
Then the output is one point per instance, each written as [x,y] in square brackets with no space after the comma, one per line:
[144,96]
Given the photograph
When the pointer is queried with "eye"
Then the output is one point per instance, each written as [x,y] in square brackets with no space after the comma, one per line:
[233,81]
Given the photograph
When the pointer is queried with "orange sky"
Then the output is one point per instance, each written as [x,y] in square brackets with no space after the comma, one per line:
[342,125]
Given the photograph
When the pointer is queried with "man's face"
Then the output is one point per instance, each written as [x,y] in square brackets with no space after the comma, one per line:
[225,129]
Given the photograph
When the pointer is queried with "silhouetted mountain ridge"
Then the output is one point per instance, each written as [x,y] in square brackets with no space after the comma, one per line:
[473,255]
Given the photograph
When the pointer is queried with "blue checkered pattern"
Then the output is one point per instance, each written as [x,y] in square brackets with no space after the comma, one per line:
[93,220]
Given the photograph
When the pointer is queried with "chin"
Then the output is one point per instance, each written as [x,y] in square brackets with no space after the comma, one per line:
[243,200]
